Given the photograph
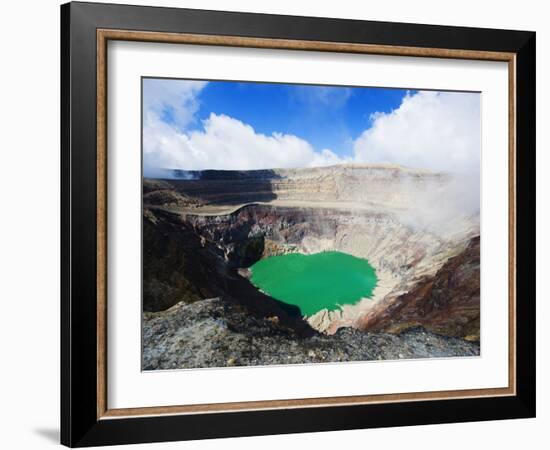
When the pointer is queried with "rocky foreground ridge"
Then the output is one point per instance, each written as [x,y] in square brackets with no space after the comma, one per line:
[200,234]
[221,333]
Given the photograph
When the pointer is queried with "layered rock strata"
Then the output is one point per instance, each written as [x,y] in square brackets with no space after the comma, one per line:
[200,235]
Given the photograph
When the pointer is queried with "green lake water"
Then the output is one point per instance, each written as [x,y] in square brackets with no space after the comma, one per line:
[313,282]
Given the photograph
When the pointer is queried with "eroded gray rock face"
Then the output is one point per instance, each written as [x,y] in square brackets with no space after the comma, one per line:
[220,333]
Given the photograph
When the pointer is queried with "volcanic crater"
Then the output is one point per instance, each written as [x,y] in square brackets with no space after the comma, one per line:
[203,230]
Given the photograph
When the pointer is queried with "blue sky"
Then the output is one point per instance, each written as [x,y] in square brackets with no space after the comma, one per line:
[326,117]
[193,124]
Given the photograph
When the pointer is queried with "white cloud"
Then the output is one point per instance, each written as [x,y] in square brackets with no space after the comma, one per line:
[226,143]
[433,130]
[223,143]
[178,98]
[438,131]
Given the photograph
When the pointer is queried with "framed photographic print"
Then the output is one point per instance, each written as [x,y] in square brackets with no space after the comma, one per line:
[276,224]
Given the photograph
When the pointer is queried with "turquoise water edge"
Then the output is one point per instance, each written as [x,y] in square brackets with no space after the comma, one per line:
[325,280]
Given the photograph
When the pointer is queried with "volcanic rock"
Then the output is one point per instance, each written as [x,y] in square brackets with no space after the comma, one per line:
[202,233]
[218,333]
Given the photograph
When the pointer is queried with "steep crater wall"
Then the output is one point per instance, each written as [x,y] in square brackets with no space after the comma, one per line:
[367,212]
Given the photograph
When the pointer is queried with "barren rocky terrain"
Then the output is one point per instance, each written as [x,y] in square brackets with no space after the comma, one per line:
[201,234]
[221,333]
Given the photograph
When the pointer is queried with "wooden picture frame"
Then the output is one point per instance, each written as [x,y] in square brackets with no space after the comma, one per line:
[86,418]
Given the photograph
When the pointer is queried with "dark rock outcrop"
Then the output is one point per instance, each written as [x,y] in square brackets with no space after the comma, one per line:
[221,333]
[446,303]
[177,265]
